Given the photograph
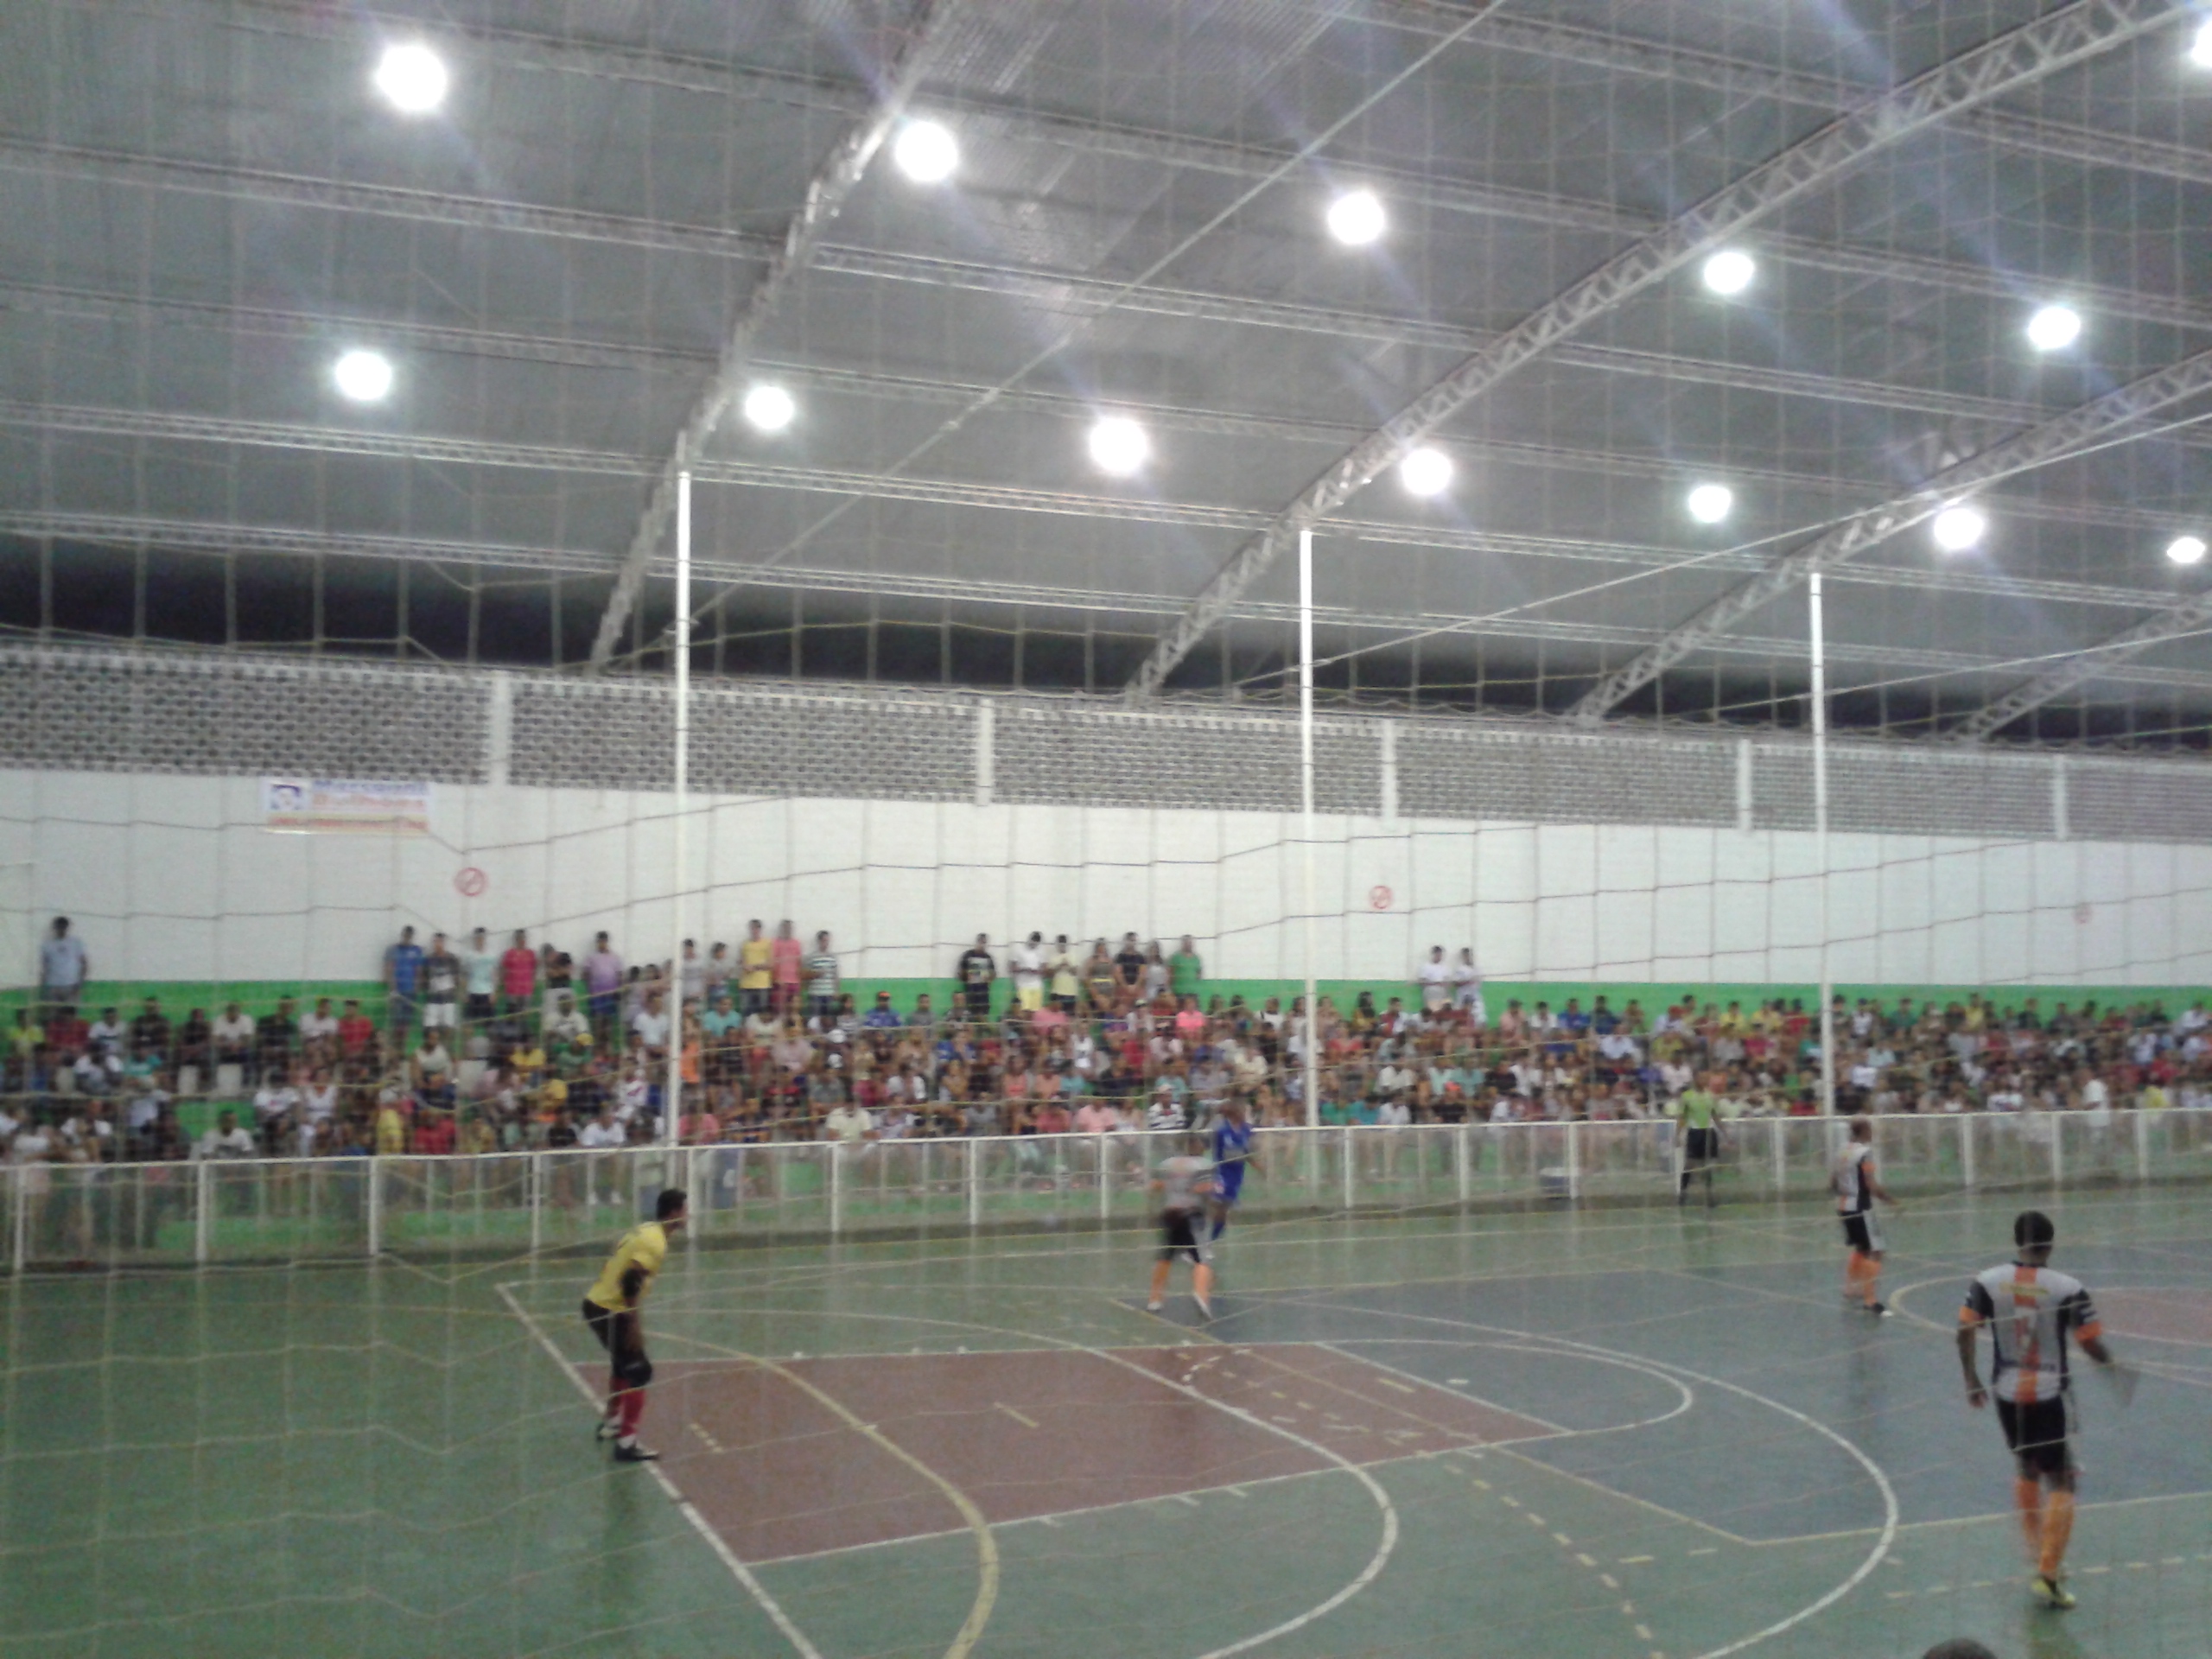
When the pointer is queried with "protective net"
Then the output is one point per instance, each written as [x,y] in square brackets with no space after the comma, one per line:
[366,979]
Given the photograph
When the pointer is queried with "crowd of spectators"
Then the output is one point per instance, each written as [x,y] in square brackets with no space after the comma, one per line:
[488,1045]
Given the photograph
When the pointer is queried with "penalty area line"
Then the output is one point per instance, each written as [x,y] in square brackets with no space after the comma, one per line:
[715,1541]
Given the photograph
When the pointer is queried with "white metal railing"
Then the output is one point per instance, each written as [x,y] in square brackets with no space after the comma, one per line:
[122,1215]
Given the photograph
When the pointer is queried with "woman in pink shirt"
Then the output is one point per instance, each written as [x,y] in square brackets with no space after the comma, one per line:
[786,958]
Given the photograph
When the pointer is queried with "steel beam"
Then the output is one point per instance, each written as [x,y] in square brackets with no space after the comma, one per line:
[922,43]
[121,529]
[2071,35]
[160,426]
[2093,424]
[2103,660]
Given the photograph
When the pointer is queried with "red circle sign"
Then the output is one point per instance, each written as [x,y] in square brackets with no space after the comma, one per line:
[2081,914]
[1378,896]
[471,882]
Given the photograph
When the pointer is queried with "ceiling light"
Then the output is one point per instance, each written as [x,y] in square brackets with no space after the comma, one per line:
[769,409]
[1426,471]
[2185,549]
[1729,272]
[1118,444]
[364,377]
[2054,327]
[1957,529]
[925,152]
[1356,217]
[2200,53]
[411,77]
[1710,503]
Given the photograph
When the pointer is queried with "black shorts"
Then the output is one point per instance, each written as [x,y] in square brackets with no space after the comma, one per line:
[1182,1233]
[1703,1146]
[1862,1233]
[2037,1432]
[635,1369]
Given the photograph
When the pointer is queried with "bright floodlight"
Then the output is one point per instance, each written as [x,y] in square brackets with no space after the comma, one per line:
[1729,272]
[1426,471]
[769,409]
[2054,327]
[2200,53]
[925,152]
[1710,503]
[1356,217]
[2185,549]
[364,377]
[1119,445]
[412,78]
[1957,529]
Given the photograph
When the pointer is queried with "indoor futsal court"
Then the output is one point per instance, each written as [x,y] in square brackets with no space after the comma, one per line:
[1627,1432]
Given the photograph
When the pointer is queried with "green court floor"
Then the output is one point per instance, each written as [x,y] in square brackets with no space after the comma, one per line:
[1633,1432]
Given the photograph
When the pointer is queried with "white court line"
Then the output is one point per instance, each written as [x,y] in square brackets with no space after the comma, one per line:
[758,1590]
[1859,1575]
[1367,1575]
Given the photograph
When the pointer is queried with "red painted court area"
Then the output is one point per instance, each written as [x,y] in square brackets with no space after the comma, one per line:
[806,1456]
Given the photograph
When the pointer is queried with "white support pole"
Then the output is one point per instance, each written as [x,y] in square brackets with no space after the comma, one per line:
[537,1171]
[1965,1151]
[1462,1161]
[1105,1176]
[672,1005]
[203,1212]
[19,1230]
[1821,841]
[1312,1032]
[2143,1147]
[1779,1141]
[975,1183]
[376,1206]
[2057,1147]
[837,1188]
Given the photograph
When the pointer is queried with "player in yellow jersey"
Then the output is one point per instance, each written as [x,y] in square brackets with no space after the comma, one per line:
[614,1309]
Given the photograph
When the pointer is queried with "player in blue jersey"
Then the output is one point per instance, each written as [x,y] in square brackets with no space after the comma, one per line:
[1232,1151]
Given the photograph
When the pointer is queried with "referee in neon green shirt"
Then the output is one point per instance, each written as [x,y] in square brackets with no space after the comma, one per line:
[1697,1121]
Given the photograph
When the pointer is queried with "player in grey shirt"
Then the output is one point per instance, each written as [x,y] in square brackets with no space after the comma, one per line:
[1185,1182]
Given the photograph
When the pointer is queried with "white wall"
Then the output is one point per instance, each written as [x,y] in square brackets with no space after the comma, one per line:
[172,878]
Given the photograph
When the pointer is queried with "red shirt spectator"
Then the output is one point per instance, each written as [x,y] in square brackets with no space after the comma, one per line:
[1052,1118]
[66,1035]
[355,1031]
[518,971]
[434,1134]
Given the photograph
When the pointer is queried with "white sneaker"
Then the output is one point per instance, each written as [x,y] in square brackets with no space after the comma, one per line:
[1205,1307]
[1152,1307]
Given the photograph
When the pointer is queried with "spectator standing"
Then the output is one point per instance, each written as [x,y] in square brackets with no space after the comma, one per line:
[441,982]
[786,966]
[1066,977]
[603,986]
[754,976]
[63,967]
[480,966]
[1433,980]
[822,980]
[691,975]
[977,971]
[402,982]
[518,973]
[1026,962]
[1468,989]
[1185,972]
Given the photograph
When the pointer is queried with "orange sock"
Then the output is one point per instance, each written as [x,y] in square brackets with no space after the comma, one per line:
[2027,1498]
[1159,1281]
[2057,1531]
[1202,1281]
[1871,1281]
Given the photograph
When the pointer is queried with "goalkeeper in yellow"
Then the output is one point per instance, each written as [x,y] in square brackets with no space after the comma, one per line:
[614,1309]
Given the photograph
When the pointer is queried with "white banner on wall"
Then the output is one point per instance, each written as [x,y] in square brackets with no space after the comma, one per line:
[345,806]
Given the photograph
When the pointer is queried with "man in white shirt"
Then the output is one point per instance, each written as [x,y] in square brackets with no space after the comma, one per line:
[1433,978]
[479,966]
[233,1037]
[1467,988]
[1026,964]
[602,1131]
[274,1101]
[62,966]
[106,1034]
[651,1025]
[226,1139]
[849,1124]
[319,1027]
